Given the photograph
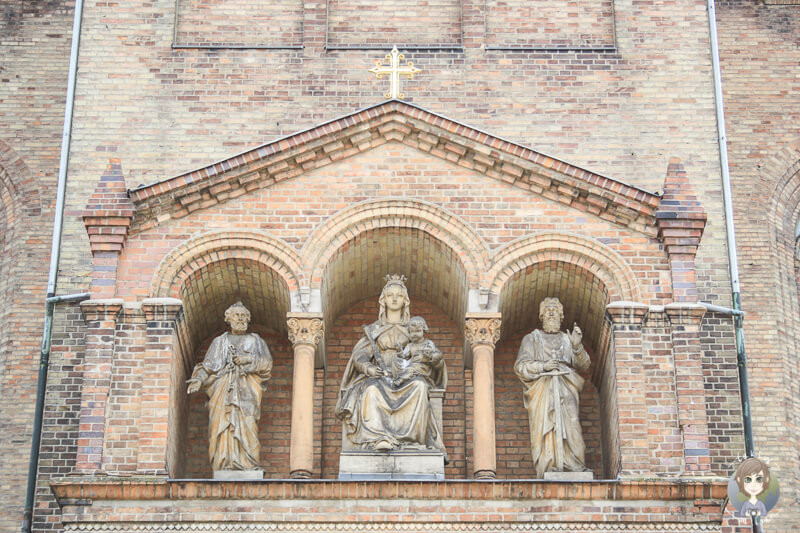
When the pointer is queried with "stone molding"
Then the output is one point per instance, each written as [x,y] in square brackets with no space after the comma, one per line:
[389,527]
[156,488]
[395,121]
[630,313]
[101,309]
[161,308]
[305,328]
[482,328]
[685,314]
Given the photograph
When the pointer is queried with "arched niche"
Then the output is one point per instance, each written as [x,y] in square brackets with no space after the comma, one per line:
[584,296]
[206,293]
[438,286]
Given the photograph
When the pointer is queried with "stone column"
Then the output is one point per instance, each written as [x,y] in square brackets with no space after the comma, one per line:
[634,453]
[483,331]
[305,332]
[101,324]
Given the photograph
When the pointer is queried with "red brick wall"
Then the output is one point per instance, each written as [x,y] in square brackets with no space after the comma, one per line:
[759,57]
[33,72]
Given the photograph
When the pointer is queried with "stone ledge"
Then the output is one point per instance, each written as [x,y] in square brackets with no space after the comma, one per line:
[153,488]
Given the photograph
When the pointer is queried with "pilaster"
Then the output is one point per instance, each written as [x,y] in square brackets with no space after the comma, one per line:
[161,315]
[685,320]
[101,321]
[627,319]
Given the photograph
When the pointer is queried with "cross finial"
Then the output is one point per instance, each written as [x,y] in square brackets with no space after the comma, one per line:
[394,70]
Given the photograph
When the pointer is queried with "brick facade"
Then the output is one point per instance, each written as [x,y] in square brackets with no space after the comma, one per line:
[452,189]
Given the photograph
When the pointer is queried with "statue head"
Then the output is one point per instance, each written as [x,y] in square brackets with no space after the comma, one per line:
[238,316]
[551,313]
[394,297]
[752,476]
[417,327]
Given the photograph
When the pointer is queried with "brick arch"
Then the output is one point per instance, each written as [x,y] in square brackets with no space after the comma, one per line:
[18,181]
[346,225]
[187,258]
[784,200]
[596,258]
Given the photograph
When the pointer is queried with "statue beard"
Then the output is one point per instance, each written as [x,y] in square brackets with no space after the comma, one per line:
[551,325]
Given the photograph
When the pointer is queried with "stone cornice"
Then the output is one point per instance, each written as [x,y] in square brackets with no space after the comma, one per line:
[96,488]
[389,527]
[402,122]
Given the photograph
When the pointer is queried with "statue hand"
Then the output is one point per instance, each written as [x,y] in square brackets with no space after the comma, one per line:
[374,372]
[550,365]
[241,360]
[194,386]
[576,336]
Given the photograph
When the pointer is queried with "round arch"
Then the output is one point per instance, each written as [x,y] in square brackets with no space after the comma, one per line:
[179,264]
[346,225]
[598,259]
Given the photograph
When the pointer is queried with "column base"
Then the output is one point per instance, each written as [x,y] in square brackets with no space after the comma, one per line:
[484,474]
[300,474]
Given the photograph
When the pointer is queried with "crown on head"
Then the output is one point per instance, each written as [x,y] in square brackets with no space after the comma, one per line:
[395,279]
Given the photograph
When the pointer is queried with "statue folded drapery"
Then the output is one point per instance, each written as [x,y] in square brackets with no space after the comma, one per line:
[234,374]
[547,364]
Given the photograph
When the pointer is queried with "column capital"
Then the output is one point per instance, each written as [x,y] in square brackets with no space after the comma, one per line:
[482,328]
[629,313]
[161,308]
[101,310]
[305,328]
[685,314]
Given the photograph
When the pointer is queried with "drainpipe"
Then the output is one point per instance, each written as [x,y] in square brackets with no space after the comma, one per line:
[738,316]
[55,252]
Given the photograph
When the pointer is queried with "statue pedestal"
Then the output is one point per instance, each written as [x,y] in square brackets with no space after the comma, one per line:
[569,476]
[393,465]
[238,475]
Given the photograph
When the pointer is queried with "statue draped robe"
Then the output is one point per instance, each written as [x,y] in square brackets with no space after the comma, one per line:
[373,410]
[234,399]
[551,399]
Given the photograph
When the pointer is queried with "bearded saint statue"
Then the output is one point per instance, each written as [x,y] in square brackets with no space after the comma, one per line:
[547,364]
[234,374]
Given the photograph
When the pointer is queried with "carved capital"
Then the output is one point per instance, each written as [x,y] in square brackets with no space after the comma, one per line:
[483,328]
[305,328]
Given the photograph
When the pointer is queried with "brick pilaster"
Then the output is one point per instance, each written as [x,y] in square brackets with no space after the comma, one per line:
[107,217]
[161,315]
[101,321]
[685,320]
[627,319]
[681,221]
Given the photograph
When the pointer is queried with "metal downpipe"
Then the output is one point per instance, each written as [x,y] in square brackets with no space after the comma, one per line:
[55,254]
[738,319]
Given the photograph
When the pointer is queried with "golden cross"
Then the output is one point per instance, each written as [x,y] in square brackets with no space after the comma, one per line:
[395,70]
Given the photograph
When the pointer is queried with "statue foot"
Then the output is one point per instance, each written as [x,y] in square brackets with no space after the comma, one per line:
[383,445]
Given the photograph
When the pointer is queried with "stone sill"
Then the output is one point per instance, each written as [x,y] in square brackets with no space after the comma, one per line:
[86,490]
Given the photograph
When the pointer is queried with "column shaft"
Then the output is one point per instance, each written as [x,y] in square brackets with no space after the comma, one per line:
[305,332]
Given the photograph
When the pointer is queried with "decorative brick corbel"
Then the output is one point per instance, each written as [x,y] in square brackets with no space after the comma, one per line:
[681,220]
[107,218]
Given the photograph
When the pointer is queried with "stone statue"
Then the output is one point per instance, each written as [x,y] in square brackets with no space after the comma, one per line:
[234,374]
[383,400]
[547,364]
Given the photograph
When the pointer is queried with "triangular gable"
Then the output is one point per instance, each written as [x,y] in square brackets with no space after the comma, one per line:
[398,121]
